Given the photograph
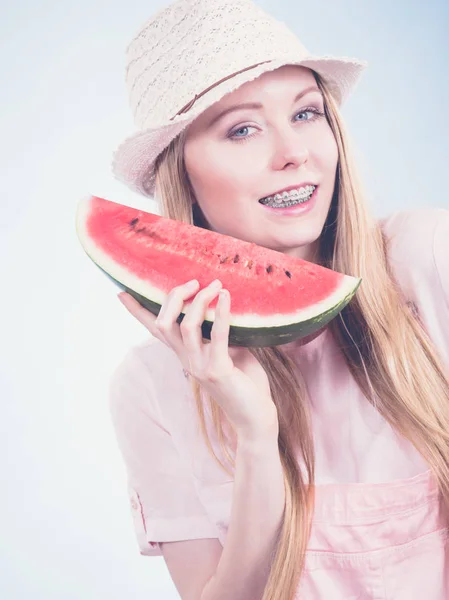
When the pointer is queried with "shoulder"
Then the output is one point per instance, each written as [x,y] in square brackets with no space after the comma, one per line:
[418,247]
[413,231]
[149,376]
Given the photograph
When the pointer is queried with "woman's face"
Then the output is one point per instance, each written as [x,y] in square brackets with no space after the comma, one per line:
[249,153]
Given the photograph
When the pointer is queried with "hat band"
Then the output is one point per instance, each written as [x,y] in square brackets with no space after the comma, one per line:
[189,104]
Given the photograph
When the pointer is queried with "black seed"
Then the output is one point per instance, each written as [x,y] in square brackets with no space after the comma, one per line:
[289,275]
[269,268]
[236,258]
[134,221]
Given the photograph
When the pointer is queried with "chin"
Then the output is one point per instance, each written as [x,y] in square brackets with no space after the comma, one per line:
[299,248]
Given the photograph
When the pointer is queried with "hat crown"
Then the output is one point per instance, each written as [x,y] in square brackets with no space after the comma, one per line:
[190,45]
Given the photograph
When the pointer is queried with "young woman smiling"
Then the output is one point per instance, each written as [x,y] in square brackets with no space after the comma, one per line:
[317,469]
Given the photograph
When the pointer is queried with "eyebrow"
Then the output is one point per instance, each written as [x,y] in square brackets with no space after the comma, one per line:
[257,105]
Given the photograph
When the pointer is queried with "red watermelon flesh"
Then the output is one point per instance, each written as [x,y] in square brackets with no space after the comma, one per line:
[272,294]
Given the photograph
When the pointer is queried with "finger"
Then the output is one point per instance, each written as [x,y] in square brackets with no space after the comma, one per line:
[219,348]
[191,324]
[143,315]
[138,311]
[147,318]
[166,322]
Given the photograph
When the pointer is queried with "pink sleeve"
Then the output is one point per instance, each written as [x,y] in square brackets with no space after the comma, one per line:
[164,504]
[441,252]
[419,256]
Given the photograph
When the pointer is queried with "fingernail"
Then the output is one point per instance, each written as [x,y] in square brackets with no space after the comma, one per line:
[216,283]
[192,283]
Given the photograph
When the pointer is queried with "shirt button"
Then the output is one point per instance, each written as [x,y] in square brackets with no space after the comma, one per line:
[133,501]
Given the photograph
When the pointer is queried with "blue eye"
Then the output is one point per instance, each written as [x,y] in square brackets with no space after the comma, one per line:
[236,131]
[304,112]
[316,114]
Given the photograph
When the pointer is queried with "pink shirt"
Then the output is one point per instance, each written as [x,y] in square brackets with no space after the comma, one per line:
[380,530]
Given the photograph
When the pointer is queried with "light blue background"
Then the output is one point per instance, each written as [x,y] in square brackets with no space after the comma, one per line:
[67,531]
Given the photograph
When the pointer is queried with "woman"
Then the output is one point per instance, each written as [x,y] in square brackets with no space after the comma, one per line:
[320,468]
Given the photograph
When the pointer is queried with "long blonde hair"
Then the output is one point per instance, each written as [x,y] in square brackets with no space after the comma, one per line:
[385,347]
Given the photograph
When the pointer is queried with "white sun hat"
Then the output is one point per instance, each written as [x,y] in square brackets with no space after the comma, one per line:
[192,53]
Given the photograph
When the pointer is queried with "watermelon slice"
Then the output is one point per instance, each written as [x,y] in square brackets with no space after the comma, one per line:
[275,298]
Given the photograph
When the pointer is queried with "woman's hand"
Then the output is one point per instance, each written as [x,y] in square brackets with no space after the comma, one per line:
[233,377]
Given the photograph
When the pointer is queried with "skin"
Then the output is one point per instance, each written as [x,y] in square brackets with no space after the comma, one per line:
[228,179]
[279,145]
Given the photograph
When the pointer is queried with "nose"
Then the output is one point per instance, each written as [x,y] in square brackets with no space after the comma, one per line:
[288,150]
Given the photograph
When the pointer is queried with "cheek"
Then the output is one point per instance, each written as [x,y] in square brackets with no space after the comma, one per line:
[327,150]
[214,168]
[215,185]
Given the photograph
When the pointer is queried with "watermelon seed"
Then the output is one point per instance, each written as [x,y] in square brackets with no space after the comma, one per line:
[289,275]
[248,263]
[223,260]
[134,221]
[269,269]
[236,258]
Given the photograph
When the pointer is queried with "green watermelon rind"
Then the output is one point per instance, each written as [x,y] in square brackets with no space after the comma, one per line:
[254,336]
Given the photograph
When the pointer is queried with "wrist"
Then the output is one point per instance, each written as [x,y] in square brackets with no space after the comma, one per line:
[260,436]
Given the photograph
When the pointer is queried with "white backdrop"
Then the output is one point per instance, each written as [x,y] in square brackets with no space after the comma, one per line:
[67,532]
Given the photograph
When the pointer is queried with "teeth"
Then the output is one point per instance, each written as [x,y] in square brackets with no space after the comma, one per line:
[289,197]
